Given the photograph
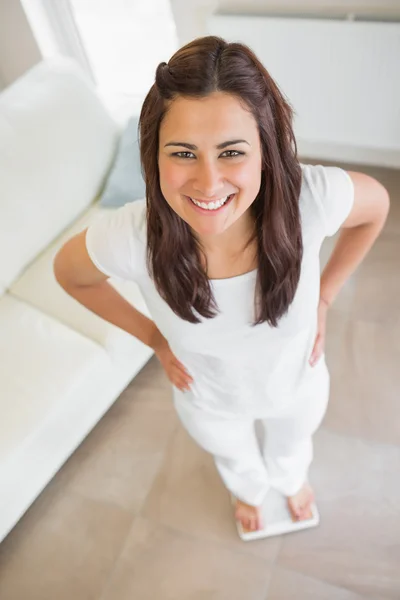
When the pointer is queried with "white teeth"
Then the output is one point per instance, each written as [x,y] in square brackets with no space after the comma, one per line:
[210,205]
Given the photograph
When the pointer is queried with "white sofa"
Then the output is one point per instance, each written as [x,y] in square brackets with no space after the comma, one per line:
[61,366]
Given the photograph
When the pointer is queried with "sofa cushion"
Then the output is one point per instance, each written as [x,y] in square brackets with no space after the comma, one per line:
[125,182]
[38,287]
[42,363]
[57,142]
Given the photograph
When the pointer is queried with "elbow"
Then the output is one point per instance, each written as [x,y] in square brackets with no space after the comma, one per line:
[384,206]
[59,270]
[386,203]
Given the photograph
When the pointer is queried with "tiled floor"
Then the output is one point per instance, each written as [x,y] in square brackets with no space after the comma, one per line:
[139,511]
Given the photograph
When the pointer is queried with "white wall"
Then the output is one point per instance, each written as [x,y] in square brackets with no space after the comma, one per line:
[18,48]
[191,16]
[384,8]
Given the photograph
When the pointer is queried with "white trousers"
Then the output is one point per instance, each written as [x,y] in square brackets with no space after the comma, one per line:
[250,467]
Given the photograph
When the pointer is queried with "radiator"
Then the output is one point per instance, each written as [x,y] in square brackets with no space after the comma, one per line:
[341,76]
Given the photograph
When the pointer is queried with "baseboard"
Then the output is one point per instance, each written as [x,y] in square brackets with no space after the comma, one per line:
[380,157]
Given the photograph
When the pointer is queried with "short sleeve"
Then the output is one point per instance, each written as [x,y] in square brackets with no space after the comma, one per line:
[332,194]
[114,241]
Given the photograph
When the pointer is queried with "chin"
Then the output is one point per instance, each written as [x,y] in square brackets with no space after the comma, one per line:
[210,230]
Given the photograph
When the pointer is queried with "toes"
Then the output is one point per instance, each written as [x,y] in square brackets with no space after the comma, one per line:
[246,524]
[252,524]
[249,519]
[256,523]
[296,512]
[304,513]
[249,524]
[300,506]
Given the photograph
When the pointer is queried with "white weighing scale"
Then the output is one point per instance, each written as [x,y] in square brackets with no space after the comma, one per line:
[277,518]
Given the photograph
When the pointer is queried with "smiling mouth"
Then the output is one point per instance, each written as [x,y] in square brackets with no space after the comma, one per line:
[211,206]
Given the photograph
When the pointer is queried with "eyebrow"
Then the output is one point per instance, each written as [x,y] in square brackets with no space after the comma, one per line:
[219,146]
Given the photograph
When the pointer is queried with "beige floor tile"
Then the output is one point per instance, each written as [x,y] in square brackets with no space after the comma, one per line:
[363,359]
[160,563]
[357,543]
[392,225]
[64,547]
[377,284]
[189,496]
[120,458]
[288,585]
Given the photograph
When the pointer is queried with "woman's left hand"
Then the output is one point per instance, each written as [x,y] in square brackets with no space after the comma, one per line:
[319,344]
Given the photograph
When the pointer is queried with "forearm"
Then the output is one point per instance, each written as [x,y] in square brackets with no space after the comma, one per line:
[352,246]
[103,300]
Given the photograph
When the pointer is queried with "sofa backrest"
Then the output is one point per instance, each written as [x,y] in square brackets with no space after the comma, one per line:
[57,144]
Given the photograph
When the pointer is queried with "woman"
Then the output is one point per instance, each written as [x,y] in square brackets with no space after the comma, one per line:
[225,250]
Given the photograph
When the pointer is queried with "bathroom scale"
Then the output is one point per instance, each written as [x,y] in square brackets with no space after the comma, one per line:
[277,518]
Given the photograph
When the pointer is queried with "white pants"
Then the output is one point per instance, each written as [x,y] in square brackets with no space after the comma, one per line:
[249,468]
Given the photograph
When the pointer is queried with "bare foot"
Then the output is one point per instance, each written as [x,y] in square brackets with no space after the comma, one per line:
[249,516]
[299,504]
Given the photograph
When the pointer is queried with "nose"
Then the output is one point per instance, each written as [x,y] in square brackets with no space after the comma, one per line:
[208,180]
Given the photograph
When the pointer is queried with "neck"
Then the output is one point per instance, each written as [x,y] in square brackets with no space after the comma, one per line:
[233,240]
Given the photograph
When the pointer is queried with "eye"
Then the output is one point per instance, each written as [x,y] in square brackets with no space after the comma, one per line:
[233,153]
[182,154]
[228,154]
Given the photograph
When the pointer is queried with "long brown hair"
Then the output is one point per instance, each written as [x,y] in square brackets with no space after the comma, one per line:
[206,65]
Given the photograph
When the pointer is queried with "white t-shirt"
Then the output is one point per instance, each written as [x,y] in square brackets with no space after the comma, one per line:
[237,368]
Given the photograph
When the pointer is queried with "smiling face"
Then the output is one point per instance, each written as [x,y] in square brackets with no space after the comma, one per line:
[209,150]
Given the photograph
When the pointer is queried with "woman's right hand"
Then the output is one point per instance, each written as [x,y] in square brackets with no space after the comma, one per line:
[174,369]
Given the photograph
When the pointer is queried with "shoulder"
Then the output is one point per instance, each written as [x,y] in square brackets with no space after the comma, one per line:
[321,179]
[132,214]
[116,240]
[326,198]
[137,214]
[129,219]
